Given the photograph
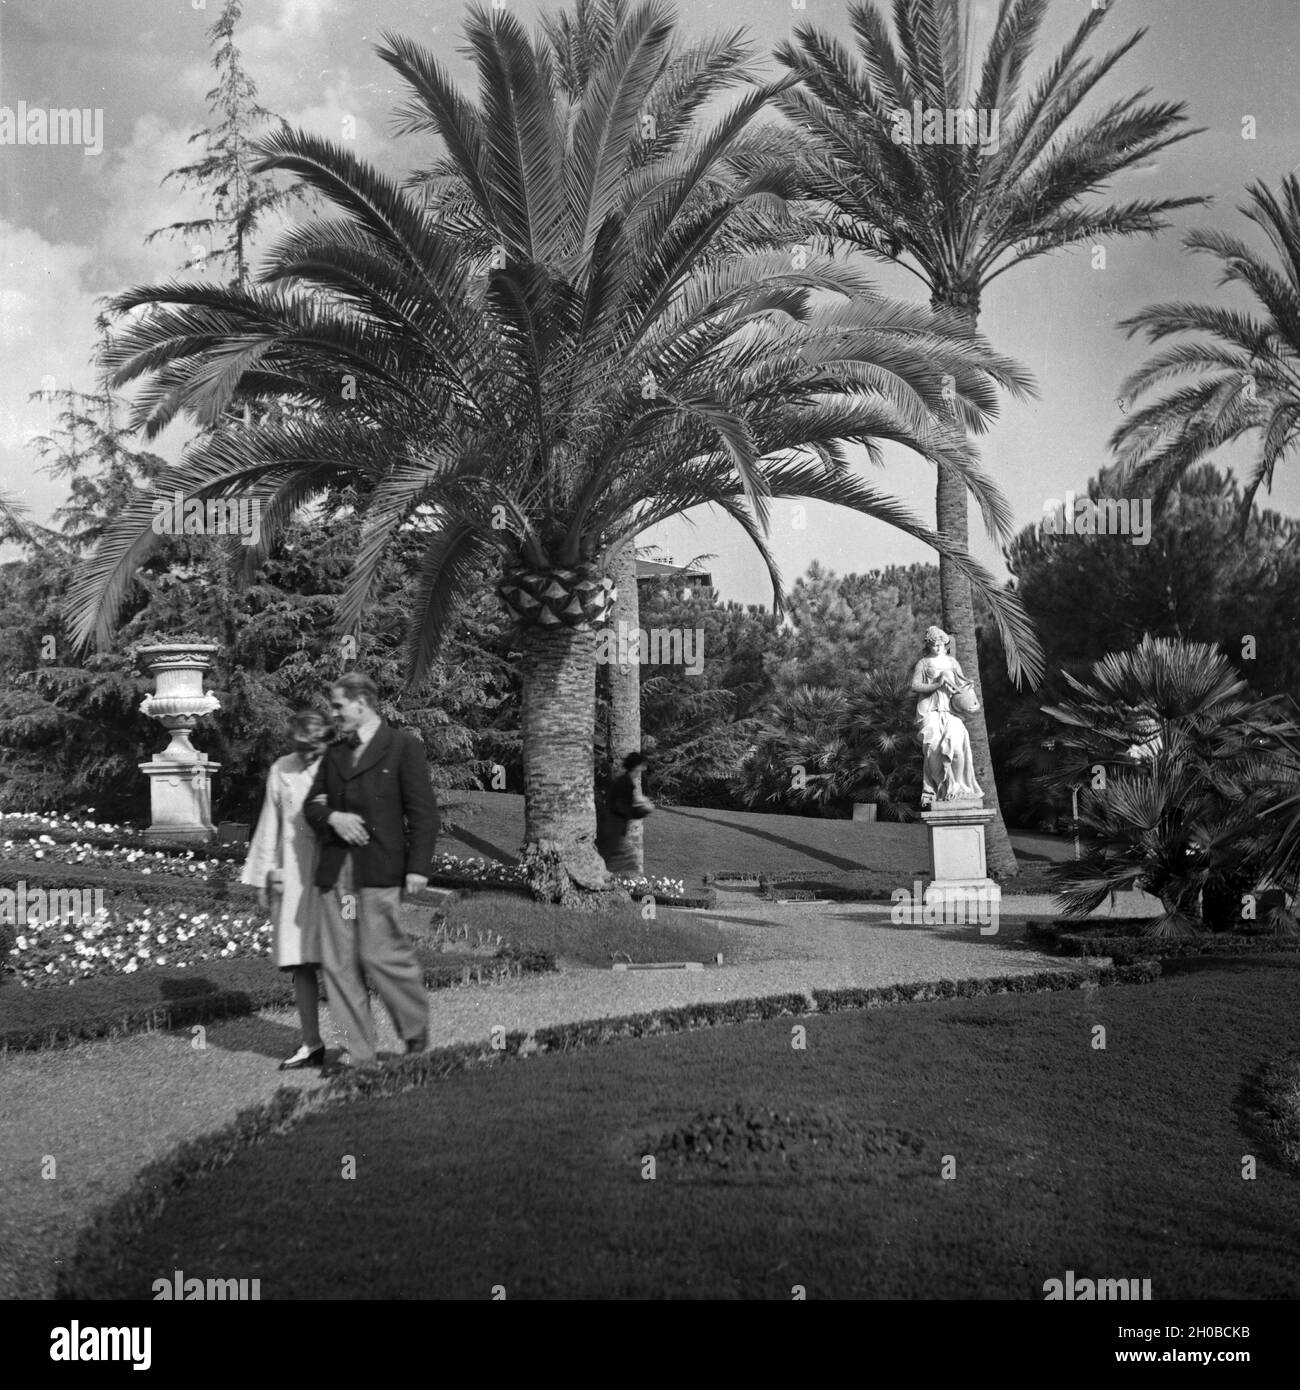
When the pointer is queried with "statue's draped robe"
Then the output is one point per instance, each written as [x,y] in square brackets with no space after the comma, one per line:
[948,772]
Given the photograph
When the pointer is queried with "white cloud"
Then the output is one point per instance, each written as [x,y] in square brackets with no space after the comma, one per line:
[47,336]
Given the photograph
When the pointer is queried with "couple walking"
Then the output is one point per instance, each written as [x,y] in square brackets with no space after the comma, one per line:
[346,827]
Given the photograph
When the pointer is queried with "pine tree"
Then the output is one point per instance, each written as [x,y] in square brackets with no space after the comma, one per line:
[239,197]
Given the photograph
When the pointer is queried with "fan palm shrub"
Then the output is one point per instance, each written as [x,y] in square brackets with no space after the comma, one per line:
[1181,768]
[821,748]
[533,406]
[959,215]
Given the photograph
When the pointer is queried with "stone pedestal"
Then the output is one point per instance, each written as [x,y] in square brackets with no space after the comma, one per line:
[180,777]
[180,799]
[958,866]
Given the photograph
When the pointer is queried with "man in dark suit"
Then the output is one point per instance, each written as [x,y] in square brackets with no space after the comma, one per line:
[376,818]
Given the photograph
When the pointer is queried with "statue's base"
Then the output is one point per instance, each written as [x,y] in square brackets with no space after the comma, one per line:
[958,863]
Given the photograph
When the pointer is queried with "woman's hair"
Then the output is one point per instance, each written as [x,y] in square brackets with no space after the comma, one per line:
[303,719]
[937,636]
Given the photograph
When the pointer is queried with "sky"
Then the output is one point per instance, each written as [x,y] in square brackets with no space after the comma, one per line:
[73,219]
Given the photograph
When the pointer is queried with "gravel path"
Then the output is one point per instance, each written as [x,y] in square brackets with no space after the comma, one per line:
[103,1110]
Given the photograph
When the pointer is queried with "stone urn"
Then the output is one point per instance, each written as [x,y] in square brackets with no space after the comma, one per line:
[180,777]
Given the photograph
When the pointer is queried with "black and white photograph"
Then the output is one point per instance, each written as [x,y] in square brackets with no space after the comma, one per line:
[650,651]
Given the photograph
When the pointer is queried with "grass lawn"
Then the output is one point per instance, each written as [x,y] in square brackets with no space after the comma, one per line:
[777,1167]
[591,938]
[685,842]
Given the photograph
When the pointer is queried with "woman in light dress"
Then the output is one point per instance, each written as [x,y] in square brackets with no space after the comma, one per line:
[281,863]
[948,772]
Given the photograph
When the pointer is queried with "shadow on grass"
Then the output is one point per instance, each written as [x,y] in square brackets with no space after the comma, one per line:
[251,1033]
[484,848]
[801,847]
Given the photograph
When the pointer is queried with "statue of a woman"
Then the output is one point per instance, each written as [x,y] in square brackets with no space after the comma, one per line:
[949,770]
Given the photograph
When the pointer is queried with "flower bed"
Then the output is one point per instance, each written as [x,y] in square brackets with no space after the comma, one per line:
[170,906]
[63,840]
[122,941]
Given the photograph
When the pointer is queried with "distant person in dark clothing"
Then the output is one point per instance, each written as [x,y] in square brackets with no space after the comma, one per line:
[624,803]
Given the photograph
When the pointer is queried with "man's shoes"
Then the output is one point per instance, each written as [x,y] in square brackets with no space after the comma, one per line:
[304,1057]
[419,1044]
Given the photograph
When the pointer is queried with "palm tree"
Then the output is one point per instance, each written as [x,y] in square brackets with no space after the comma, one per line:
[1240,373]
[685,78]
[1190,766]
[592,375]
[957,215]
[13,518]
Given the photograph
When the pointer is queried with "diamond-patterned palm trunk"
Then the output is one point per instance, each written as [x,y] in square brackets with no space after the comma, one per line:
[559,729]
[558,611]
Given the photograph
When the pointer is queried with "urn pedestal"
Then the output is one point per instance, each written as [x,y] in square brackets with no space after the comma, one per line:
[958,862]
[180,777]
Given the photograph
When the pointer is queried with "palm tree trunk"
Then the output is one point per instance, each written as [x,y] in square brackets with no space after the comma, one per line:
[625,688]
[952,504]
[558,724]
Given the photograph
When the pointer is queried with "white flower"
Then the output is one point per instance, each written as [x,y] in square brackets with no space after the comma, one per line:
[22,943]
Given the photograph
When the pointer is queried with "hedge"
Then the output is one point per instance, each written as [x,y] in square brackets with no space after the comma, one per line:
[1036,982]
[171,997]
[1125,950]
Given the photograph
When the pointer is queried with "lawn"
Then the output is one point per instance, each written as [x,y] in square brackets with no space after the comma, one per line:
[620,932]
[686,842]
[777,1167]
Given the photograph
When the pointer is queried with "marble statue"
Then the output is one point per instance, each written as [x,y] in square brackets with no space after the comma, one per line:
[948,773]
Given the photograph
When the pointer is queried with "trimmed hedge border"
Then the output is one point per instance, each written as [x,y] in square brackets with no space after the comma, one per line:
[1127,950]
[115,1226]
[1274,1095]
[123,1004]
[235,988]
[1040,981]
[124,882]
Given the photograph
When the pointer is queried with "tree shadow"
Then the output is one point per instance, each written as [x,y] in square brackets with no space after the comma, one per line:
[483,847]
[802,846]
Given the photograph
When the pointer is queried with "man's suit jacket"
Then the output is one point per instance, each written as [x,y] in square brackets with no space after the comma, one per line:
[389,789]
